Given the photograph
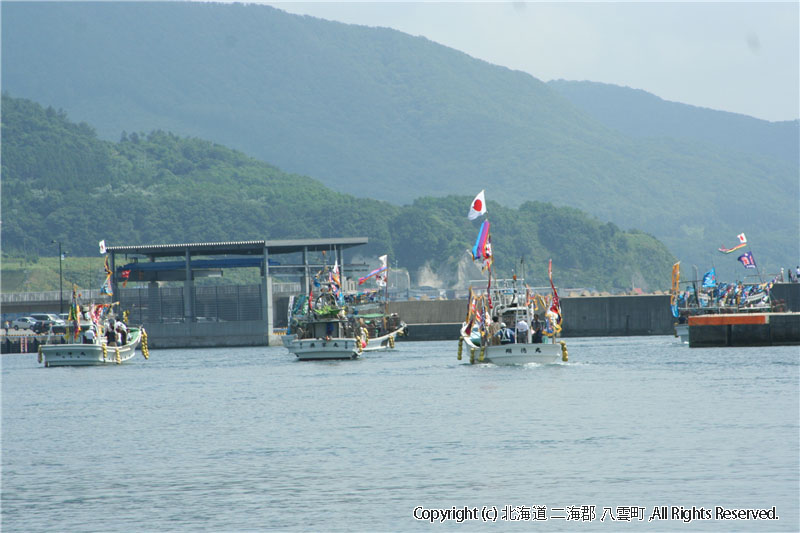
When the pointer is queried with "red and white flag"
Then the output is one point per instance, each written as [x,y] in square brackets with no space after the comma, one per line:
[478,207]
[742,238]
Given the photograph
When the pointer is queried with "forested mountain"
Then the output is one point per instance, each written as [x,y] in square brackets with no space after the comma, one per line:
[643,115]
[61,182]
[380,114]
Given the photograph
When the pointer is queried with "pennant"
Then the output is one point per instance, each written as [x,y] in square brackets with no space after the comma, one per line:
[676,280]
[106,287]
[747,260]
[376,272]
[556,306]
[710,279]
[478,207]
[479,249]
[742,244]
[102,246]
[383,275]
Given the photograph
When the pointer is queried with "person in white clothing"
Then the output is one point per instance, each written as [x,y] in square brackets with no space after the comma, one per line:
[522,331]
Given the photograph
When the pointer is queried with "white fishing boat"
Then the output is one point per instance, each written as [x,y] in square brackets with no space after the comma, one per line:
[95,353]
[501,325]
[338,326]
[510,345]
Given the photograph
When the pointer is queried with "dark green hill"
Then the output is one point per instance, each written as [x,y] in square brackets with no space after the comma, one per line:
[643,115]
[380,114]
[158,187]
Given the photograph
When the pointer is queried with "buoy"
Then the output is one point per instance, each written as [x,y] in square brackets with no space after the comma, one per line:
[145,349]
[472,356]
[119,359]
[40,354]
[105,351]
[564,354]
[391,342]
[460,345]
[483,349]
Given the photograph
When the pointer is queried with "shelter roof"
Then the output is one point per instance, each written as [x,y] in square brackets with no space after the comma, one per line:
[238,247]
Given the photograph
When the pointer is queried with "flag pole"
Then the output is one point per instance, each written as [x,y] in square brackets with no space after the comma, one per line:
[758,269]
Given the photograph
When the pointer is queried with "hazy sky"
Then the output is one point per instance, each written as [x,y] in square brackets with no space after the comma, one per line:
[733,56]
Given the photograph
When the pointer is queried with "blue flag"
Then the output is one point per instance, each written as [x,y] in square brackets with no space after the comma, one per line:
[747,260]
[710,279]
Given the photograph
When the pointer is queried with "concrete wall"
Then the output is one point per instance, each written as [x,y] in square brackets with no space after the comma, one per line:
[207,334]
[788,293]
[583,317]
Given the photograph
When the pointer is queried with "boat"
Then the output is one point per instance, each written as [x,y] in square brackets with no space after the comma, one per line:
[502,326]
[707,296]
[339,326]
[91,347]
[510,345]
[94,353]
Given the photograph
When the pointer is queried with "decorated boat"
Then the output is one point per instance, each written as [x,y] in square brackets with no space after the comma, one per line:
[87,339]
[97,352]
[335,325]
[503,325]
[706,295]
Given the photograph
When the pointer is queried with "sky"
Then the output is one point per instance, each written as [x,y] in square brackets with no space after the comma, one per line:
[742,57]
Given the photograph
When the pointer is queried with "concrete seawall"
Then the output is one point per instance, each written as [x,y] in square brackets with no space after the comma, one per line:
[593,316]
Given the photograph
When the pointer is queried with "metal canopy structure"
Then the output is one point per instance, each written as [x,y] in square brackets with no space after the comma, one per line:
[276,247]
[240,254]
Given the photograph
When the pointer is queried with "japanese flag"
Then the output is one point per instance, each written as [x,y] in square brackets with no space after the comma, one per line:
[742,238]
[478,207]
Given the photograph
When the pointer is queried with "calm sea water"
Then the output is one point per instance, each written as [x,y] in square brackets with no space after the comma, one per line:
[249,439]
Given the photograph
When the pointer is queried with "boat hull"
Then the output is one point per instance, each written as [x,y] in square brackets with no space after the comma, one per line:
[513,353]
[520,354]
[88,354]
[323,349]
[682,331]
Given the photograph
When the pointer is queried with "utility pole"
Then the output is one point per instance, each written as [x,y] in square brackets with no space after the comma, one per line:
[60,278]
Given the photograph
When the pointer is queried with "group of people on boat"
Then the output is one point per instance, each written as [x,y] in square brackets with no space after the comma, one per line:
[114,331]
[521,333]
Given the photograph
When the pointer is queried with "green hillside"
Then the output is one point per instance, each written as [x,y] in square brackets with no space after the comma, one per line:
[161,188]
[379,114]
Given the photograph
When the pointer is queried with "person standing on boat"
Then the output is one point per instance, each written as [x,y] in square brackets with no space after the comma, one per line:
[522,331]
[88,335]
[111,334]
[122,329]
[506,334]
[494,331]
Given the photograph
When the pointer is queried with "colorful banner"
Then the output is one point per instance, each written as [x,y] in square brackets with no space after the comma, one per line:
[556,307]
[742,243]
[379,272]
[676,280]
[747,260]
[479,250]
[710,279]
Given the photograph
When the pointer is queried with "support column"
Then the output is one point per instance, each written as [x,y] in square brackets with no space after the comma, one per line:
[188,314]
[153,299]
[305,270]
[266,302]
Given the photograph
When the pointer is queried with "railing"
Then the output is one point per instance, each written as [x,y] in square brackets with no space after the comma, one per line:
[94,294]
[49,296]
